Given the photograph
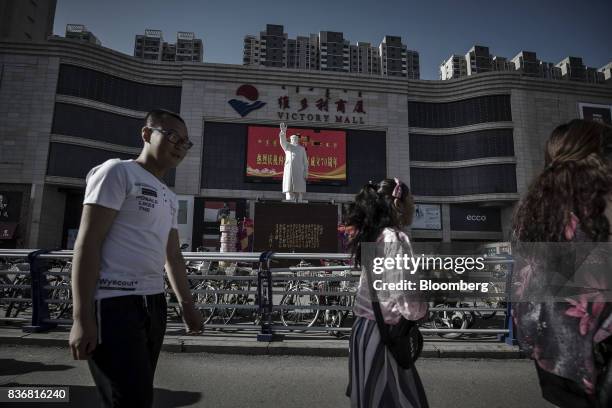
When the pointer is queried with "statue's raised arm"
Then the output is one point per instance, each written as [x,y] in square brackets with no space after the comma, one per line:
[283,135]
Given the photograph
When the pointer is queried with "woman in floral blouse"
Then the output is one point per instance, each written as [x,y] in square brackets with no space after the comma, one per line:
[562,307]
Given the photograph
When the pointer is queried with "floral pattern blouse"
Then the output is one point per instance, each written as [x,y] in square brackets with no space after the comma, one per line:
[561,318]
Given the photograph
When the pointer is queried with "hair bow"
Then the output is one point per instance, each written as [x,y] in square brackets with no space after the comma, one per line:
[397,190]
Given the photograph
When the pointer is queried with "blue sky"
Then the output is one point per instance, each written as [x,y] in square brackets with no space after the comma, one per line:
[436,29]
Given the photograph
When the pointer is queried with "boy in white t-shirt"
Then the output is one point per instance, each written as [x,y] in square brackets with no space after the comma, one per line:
[128,232]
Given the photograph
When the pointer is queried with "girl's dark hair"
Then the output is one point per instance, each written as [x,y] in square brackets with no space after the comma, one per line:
[374,209]
[577,178]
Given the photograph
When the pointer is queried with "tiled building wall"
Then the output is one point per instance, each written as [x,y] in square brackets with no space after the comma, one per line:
[535,115]
[28,100]
[27,95]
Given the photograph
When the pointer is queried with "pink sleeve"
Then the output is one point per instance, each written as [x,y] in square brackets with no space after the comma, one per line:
[408,304]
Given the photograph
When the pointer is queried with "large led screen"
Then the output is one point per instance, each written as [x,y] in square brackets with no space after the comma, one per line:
[326,151]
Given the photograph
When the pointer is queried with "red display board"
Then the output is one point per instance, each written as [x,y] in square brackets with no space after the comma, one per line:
[326,150]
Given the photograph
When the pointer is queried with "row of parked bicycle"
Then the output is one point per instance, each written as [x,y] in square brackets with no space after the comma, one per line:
[226,294]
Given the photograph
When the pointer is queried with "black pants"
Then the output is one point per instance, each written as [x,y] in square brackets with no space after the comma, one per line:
[130,335]
[562,392]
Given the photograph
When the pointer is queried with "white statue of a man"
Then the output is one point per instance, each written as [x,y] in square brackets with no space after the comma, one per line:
[295,172]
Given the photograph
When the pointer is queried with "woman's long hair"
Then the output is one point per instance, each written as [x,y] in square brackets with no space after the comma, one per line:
[576,179]
[374,209]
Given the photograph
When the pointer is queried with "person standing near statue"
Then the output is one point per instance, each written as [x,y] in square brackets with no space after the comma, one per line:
[295,172]
[128,235]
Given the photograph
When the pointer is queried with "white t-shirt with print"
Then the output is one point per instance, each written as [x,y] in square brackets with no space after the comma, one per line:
[134,251]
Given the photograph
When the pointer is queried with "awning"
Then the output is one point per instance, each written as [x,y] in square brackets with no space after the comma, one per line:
[7,230]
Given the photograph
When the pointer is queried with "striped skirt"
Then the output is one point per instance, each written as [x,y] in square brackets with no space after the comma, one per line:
[375,378]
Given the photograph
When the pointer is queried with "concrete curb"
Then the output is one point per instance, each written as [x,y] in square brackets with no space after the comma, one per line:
[228,344]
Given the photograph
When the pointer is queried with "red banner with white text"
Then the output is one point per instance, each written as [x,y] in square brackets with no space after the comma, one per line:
[326,151]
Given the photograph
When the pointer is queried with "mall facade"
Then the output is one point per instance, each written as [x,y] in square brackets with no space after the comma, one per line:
[467,148]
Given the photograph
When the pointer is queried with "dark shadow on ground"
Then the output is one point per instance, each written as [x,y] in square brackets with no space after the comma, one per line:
[169,398]
[87,396]
[10,366]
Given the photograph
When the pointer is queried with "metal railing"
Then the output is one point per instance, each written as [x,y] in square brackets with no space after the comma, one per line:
[267,300]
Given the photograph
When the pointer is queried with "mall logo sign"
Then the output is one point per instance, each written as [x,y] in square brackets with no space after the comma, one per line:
[250,93]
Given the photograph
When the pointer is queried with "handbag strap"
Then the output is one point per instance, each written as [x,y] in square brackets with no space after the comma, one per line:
[383,328]
[380,321]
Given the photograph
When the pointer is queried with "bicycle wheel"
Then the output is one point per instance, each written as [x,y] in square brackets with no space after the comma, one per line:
[296,308]
[14,308]
[5,292]
[173,312]
[205,298]
[340,318]
[497,302]
[61,292]
[449,319]
[237,297]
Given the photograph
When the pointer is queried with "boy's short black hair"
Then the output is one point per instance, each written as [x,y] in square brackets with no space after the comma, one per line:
[157,116]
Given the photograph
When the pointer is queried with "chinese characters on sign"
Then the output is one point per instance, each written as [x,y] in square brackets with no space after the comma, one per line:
[290,236]
[283,102]
[597,113]
[3,207]
[317,109]
[279,160]
[304,103]
[10,209]
[325,149]
[359,107]
[322,105]
[341,105]
[273,159]
[306,227]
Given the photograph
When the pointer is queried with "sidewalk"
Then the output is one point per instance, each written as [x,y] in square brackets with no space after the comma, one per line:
[245,342]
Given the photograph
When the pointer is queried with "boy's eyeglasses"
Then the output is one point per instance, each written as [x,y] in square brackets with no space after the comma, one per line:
[173,137]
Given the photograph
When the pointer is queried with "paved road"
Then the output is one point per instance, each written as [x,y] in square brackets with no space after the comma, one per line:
[220,381]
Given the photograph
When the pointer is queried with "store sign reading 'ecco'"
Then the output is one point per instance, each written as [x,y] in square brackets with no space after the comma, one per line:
[481,218]
[322,108]
[474,218]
